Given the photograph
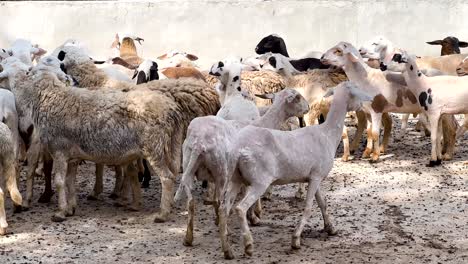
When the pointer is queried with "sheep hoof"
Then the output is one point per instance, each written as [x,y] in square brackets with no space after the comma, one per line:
[3,231]
[296,243]
[145,184]
[92,197]
[228,254]
[113,196]
[366,153]
[58,217]
[345,158]
[331,231]
[447,157]
[434,163]
[188,242]
[160,218]
[248,250]
[18,209]
[352,151]
[254,220]
[45,197]
[71,211]
[134,208]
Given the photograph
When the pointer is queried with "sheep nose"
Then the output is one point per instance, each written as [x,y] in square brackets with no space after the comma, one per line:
[362,52]
[323,56]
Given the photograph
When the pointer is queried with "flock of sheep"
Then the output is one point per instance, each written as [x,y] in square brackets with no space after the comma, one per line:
[240,127]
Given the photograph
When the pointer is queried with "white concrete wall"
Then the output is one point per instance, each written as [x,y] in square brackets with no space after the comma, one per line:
[214,29]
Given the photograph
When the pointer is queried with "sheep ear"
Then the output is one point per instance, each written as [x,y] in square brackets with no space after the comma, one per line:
[397,78]
[98,62]
[463,44]
[191,57]
[435,42]
[329,92]
[162,57]
[265,96]
[139,40]
[38,51]
[352,57]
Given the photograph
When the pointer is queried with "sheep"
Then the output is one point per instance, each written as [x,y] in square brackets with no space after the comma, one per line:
[205,153]
[151,123]
[313,85]
[462,70]
[255,82]
[24,50]
[436,96]
[127,50]
[176,58]
[275,44]
[382,49]
[450,45]
[233,104]
[389,96]
[8,164]
[261,157]
[9,116]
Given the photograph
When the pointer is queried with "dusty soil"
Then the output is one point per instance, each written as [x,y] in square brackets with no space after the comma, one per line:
[396,211]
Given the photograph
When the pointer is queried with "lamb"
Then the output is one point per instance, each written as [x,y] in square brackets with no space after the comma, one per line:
[125,45]
[262,157]
[152,124]
[275,44]
[434,99]
[9,116]
[24,50]
[389,96]
[8,164]
[233,104]
[382,49]
[313,85]
[176,58]
[462,70]
[205,153]
[450,45]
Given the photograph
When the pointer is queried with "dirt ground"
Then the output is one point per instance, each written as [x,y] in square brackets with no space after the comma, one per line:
[396,211]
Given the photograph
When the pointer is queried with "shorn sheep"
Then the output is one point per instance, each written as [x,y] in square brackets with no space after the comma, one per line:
[462,70]
[151,124]
[263,157]
[8,172]
[437,96]
[450,45]
[205,155]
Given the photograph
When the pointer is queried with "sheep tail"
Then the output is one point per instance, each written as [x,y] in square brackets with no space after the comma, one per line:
[186,183]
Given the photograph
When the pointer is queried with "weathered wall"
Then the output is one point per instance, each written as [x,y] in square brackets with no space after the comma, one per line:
[214,29]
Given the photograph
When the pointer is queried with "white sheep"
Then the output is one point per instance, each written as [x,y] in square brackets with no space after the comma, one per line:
[24,50]
[151,123]
[388,96]
[8,173]
[263,157]
[233,104]
[436,96]
[205,155]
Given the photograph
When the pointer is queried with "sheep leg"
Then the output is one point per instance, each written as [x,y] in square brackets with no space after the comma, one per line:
[132,174]
[461,131]
[296,238]
[300,190]
[3,222]
[449,130]
[123,197]
[167,179]
[252,194]
[33,160]
[146,175]
[117,192]
[141,169]
[327,223]
[387,124]
[404,125]
[94,195]
[345,139]
[9,169]
[188,240]
[209,195]
[362,122]
[70,182]
[434,124]
[227,198]
[60,167]
[376,123]
[368,151]
[48,164]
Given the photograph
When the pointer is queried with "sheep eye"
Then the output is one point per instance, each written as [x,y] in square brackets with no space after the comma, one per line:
[375,44]
[338,52]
